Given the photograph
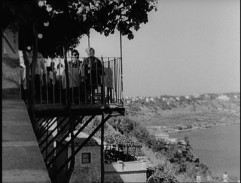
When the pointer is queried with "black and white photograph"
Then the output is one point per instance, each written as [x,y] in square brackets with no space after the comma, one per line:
[120,91]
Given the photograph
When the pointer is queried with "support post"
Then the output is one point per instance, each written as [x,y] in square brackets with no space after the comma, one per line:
[83,143]
[121,66]
[102,151]
[32,86]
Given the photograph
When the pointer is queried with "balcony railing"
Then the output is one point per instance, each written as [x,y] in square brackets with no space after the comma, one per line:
[88,84]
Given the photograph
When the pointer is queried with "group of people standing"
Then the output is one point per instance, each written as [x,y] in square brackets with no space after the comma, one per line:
[50,78]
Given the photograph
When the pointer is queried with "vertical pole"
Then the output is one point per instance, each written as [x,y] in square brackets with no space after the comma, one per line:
[121,66]
[47,87]
[60,77]
[115,79]
[67,95]
[109,88]
[54,84]
[89,40]
[102,151]
[91,84]
[103,82]
[46,152]
[119,83]
[90,74]
[72,88]
[40,88]
[32,87]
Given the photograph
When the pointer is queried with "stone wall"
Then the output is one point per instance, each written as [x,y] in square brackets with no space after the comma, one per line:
[133,171]
[10,65]
[10,72]
[127,176]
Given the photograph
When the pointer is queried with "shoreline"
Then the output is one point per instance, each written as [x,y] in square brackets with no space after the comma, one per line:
[199,127]
[232,176]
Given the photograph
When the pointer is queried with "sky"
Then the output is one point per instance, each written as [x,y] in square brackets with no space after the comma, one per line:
[187,47]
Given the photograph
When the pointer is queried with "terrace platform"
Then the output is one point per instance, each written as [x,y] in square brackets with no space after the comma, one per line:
[55,110]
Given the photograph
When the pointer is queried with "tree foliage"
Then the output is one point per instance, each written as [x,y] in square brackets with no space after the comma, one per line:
[63,22]
[120,140]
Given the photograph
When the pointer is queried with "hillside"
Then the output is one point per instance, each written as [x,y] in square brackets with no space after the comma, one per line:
[172,113]
[147,116]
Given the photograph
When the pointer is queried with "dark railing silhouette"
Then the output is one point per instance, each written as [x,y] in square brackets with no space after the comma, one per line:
[96,85]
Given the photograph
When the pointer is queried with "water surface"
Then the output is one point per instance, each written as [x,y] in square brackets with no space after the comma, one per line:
[218,147]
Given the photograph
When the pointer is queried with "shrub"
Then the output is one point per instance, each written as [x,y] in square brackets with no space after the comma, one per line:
[180,128]
[162,177]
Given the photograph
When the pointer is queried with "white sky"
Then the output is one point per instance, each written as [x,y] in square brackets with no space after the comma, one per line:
[187,47]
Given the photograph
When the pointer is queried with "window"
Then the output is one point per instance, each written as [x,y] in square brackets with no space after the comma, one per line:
[86,158]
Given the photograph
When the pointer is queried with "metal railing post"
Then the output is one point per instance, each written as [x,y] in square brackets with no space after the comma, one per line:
[103,82]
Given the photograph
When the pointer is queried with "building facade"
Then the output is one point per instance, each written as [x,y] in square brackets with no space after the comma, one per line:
[88,165]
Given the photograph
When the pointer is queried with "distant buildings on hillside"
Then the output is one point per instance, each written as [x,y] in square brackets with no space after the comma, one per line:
[223,98]
[162,136]
[165,136]
[171,99]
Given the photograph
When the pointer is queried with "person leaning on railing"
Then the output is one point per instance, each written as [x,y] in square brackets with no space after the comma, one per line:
[74,79]
[75,75]
[75,62]
[92,71]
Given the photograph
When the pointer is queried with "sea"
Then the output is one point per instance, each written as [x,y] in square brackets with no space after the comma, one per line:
[218,147]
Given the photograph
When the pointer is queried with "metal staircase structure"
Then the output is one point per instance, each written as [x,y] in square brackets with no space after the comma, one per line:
[53,122]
